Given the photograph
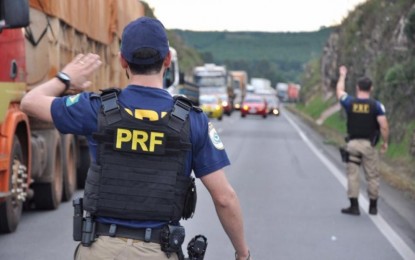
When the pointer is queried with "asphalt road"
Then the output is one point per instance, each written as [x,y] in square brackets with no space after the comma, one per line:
[291,186]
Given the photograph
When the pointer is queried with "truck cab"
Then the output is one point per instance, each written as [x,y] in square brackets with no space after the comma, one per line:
[15,158]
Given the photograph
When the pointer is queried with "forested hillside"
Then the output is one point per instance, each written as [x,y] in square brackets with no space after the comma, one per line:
[279,57]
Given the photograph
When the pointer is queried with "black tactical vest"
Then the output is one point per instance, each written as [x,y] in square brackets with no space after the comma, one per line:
[361,119]
[139,174]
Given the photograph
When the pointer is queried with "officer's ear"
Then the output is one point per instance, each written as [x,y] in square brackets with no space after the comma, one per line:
[167,60]
[123,62]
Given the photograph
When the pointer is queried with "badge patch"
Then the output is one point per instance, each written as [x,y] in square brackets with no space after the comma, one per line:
[72,100]
[214,137]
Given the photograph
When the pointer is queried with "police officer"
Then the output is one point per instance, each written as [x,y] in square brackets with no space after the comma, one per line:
[144,145]
[366,122]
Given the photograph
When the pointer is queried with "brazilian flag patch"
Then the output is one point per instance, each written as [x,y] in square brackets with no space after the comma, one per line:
[214,137]
[72,100]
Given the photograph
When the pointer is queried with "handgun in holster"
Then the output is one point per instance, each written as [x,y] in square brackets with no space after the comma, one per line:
[88,230]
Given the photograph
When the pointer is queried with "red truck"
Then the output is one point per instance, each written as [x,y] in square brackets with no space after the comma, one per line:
[38,165]
[293,92]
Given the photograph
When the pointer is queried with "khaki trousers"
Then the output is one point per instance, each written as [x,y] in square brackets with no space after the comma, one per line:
[112,248]
[361,150]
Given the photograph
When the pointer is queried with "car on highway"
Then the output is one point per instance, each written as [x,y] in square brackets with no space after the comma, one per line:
[273,105]
[211,106]
[237,102]
[226,104]
[254,105]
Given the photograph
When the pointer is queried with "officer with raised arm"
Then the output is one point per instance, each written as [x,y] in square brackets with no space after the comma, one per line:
[144,145]
[366,122]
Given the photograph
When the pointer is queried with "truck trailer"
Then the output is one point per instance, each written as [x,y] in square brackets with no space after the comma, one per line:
[239,79]
[38,165]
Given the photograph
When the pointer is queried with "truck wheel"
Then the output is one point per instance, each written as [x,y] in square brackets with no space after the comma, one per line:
[48,195]
[84,161]
[69,166]
[11,208]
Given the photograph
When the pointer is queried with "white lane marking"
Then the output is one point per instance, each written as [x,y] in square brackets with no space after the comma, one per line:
[397,242]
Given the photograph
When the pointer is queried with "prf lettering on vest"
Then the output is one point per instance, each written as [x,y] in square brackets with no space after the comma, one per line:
[133,140]
[360,108]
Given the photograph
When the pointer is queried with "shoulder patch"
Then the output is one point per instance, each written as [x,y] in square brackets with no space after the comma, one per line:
[72,100]
[382,108]
[214,137]
[343,97]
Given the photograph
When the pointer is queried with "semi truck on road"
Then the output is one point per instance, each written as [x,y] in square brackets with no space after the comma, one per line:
[212,79]
[39,166]
[239,82]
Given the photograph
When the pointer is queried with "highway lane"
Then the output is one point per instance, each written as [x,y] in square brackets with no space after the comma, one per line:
[291,190]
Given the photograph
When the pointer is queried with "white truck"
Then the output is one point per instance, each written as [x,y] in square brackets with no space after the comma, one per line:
[212,79]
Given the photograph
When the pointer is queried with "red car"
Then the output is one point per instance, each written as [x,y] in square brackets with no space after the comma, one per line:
[254,105]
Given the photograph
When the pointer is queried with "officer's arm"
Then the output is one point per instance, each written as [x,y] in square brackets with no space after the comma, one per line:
[340,88]
[384,131]
[37,102]
[228,209]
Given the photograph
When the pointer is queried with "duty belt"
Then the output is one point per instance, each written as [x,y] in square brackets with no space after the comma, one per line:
[144,234]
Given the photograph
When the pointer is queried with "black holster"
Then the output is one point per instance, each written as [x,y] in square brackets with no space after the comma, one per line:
[344,154]
[171,240]
[88,230]
[375,138]
[83,226]
[78,219]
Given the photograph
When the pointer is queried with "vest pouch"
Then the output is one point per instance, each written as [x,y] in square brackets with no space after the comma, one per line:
[91,190]
[190,200]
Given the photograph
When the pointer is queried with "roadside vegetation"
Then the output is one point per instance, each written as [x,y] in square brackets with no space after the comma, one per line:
[278,56]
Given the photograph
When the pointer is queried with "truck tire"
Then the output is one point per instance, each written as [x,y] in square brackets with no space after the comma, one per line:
[11,208]
[69,166]
[83,166]
[48,195]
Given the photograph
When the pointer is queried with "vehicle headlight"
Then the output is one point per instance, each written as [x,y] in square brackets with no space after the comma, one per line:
[224,103]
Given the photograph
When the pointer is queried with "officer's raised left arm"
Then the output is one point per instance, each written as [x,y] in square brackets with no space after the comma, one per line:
[37,102]
[340,88]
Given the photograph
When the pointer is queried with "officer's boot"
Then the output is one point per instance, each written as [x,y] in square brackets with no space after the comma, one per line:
[353,209]
[373,207]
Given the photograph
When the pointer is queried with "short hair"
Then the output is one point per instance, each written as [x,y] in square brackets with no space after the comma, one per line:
[146,69]
[364,84]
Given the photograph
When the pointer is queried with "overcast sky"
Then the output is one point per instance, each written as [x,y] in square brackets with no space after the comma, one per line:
[254,15]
